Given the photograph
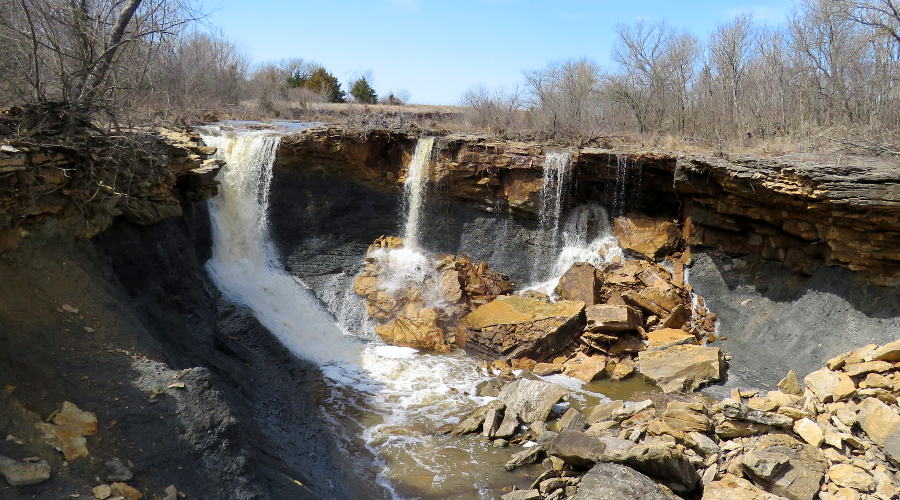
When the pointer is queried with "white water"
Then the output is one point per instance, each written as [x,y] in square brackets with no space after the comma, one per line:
[414,187]
[557,174]
[393,398]
[586,237]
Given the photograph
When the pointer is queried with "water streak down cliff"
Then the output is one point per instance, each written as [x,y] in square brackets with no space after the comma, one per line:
[802,210]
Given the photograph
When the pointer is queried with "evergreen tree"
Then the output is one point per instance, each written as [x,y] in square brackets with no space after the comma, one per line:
[363,92]
[320,81]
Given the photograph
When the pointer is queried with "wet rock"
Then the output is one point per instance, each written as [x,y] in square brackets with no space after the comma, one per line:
[785,467]
[829,386]
[732,487]
[23,473]
[850,476]
[522,495]
[647,236]
[527,456]
[579,283]
[513,326]
[531,399]
[475,419]
[490,388]
[682,367]
[661,460]
[878,420]
[612,318]
[608,481]
[577,448]
[622,369]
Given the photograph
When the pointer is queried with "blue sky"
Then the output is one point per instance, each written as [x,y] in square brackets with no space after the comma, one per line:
[436,49]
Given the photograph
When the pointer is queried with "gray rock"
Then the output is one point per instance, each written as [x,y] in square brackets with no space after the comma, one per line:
[797,479]
[740,411]
[531,399]
[573,420]
[661,460]
[473,421]
[602,411]
[117,471]
[490,388]
[23,473]
[892,448]
[525,457]
[607,481]
[577,448]
[522,495]
[704,444]
[508,425]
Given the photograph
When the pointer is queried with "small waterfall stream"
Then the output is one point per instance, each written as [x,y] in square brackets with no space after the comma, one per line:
[389,400]
[414,188]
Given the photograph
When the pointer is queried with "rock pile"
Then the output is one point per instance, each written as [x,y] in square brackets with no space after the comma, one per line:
[836,435]
[416,299]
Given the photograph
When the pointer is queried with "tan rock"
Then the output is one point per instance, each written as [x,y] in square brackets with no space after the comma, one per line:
[876,381]
[624,367]
[809,431]
[612,318]
[861,354]
[790,384]
[878,420]
[648,236]
[682,367]
[517,326]
[627,343]
[731,487]
[67,430]
[579,283]
[667,337]
[659,300]
[857,369]
[686,417]
[125,491]
[76,419]
[585,368]
[415,326]
[547,368]
[828,386]
[850,476]
[887,352]
[762,403]
[101,491]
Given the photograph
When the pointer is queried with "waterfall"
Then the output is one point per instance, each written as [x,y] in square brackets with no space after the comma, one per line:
[392,398]
[623,196]
[244,264]
[414,190]
[586,237]
[557,174]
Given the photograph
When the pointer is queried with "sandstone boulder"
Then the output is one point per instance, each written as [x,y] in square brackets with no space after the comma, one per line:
[668,337]
[580,283]
[732,487]
[647,236]
[661,460]
[67,430]
[577,448]
[612,318]
[829,386]
[878,420]
[513,326]
[888,352]
[585,368]
[682,367]
[785,467]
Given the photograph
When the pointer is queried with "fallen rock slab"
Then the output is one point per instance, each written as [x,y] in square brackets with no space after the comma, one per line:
[514,326]
[682,367]
[661,460]
[732,487]
[612,318]
[577,448]
[23,473]
[608,481]
[829,386]
[531,399]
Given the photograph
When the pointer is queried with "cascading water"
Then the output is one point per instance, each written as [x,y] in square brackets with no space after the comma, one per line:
[627,185]
[586,237]
[557,176]
[414,188]
[392,398]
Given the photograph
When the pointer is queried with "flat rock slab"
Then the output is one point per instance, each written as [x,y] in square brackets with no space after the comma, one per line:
[531,399]
[23,473]
[682,367]
[607,481]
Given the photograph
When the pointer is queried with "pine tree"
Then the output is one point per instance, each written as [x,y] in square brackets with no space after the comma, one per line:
[363,92]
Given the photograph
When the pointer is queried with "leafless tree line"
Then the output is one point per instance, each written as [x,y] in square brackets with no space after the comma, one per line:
[834,64]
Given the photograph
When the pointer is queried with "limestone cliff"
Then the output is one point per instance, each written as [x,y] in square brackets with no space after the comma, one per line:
[802,210]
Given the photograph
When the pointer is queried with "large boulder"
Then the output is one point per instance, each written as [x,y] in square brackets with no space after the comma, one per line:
[878,420]
[660,459]
[612,318]
[784,466]
[414,325]
[577,448]
[531,399]
[647,236]
[682,367]
[580,283]
[514,326]
[607,481]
